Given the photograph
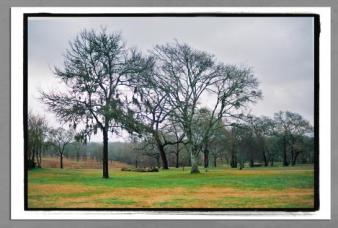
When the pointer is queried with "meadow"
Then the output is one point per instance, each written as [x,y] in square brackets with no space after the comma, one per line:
[261,187]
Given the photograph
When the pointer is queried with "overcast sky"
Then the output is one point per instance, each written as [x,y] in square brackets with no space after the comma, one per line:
[279,50]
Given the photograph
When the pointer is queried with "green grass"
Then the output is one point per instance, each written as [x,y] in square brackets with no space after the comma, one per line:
[279,179]
[221,187]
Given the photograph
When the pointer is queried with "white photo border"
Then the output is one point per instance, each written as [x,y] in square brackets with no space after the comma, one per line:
[17,130]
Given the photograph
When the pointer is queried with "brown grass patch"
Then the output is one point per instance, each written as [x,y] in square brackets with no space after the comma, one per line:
[54,162]
[143,197]
[46,189]
[209,196]
[205,197]
[221,192]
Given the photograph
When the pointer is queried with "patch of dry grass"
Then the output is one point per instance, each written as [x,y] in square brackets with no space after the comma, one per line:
[205,197]
[54,162]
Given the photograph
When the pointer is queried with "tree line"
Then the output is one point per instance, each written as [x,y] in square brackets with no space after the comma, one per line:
[258,141]
[157,98]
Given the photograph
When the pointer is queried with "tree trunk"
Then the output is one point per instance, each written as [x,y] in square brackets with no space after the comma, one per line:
[163,156]
[264,157]
[105,154]
[39,157]
[233,160]
[189,160]
[158,161]
[194,161]
[206,158]
[295,159]
[285,161]
[194,164]
[177,154]
[61,160]
[177,161]
[262,144]
[293,153]
[215,161]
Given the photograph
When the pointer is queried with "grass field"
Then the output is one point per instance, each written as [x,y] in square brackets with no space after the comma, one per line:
[276,187]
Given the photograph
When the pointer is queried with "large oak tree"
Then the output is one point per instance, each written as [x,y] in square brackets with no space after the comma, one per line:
[97,70]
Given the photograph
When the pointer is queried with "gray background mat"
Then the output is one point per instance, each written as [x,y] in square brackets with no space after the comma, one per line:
[5,116]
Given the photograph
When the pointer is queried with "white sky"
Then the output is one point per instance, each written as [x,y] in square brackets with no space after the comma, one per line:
[279,50]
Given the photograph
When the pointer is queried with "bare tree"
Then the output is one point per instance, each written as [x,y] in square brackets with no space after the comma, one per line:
[60,138]
[97,70]
[186,74]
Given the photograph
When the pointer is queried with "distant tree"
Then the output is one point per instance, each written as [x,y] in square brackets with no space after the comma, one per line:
[219,144]
[263,127]
[233,144]
[97,70]
[281,119]
[292,126]
[185,74]
[60,138]
[307,150]
[273,145]
[37,139]
[300,127]
[246,144]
